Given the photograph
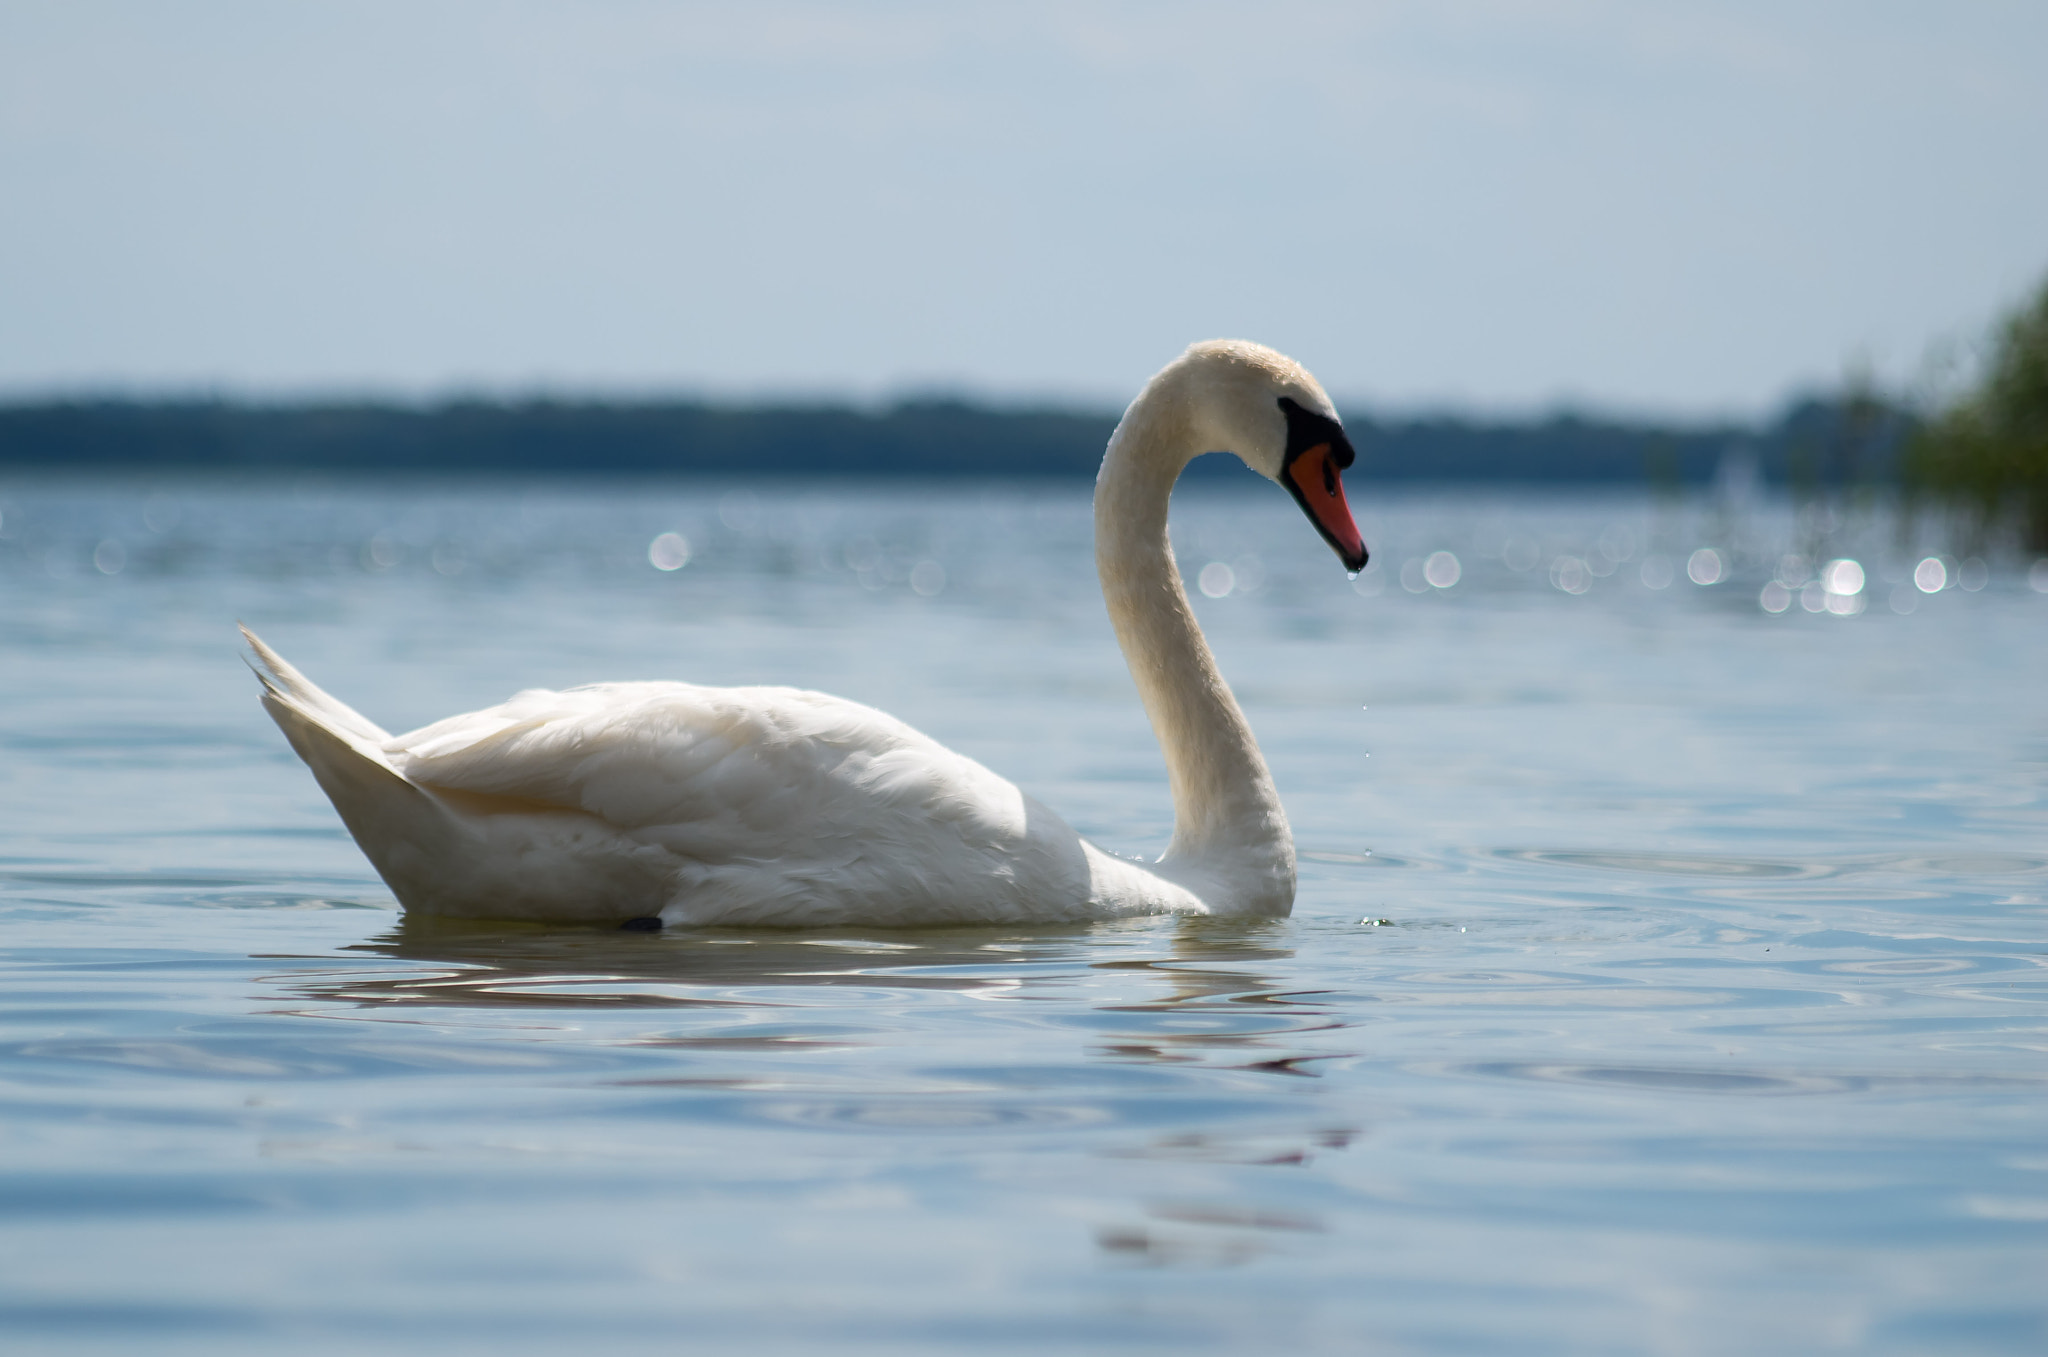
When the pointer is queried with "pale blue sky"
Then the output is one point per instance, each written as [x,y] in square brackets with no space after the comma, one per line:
[1670,208]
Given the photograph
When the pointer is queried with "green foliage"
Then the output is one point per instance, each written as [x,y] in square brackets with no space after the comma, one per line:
[1987,455]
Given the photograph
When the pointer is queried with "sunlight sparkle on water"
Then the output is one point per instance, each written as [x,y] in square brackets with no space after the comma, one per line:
[1843,577]
[1570,574]
[382,552]
[669,551]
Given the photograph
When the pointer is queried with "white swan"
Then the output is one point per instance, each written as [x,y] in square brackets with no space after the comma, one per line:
[774,806]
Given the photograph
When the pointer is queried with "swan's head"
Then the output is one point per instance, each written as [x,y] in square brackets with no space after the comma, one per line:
[1265,407]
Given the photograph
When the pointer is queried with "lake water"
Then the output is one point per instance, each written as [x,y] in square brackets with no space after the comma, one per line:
[1667,974]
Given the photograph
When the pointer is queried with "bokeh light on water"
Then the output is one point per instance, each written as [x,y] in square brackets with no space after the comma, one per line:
[1665,973]
[669,551]
[1844,578]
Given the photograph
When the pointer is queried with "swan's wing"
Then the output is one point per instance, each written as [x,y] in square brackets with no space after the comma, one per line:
[721,775]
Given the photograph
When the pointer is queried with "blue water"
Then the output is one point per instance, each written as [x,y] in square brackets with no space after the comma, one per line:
[1667,974]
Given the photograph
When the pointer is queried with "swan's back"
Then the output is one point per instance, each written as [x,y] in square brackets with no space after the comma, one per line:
[719,774]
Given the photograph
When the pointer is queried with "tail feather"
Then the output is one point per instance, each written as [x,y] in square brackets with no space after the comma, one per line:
[343,748]
[401,827]
[283,681]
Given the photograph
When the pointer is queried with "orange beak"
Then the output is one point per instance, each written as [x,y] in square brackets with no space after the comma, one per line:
[1313,477]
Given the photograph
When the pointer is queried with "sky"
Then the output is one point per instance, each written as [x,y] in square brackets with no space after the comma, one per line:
[1691,210]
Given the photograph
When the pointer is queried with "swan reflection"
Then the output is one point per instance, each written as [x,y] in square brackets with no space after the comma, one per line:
[1209,983]
[495,964]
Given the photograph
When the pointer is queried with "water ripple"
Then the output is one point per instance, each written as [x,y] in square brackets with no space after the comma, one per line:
[1742,1082]
[1668,864]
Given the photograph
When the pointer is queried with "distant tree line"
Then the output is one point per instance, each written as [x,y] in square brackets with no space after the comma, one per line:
[1837,442]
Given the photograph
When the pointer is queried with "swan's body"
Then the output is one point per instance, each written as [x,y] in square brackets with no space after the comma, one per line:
[780,807]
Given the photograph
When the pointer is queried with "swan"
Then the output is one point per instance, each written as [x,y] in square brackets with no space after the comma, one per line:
[650,804]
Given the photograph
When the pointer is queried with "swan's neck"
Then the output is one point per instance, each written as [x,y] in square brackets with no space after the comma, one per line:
[1227,820]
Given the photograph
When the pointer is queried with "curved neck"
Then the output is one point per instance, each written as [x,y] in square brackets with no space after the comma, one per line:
[1226,813]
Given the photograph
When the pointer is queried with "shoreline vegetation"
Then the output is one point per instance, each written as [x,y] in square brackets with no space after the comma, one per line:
[1984,457]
